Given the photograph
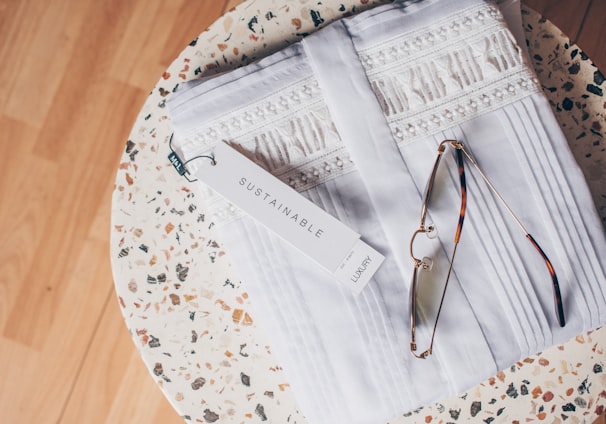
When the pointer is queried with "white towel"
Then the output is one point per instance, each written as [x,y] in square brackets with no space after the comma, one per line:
[351,118]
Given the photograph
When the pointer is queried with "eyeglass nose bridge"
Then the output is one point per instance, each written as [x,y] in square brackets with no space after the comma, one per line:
[422,355]
[429,230]
[416,260]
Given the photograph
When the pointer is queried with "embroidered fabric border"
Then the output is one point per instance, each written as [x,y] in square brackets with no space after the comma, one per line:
[425,80]
[447,73]
[290,134]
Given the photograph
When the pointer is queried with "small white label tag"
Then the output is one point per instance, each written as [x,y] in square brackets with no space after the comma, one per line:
[291,216]
[358,266]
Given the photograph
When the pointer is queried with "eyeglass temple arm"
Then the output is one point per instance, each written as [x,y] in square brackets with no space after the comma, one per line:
[557,296]
[462,210]
[463,183]
[430,184]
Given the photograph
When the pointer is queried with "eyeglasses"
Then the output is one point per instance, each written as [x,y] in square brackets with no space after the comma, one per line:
[425,264]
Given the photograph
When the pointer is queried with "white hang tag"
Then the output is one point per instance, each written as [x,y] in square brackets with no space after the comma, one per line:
[316,233]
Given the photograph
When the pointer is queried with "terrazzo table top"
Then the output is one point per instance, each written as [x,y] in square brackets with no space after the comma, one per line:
[190,315]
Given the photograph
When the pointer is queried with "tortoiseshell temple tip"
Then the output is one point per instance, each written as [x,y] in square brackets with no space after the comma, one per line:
[557,296]
[560,309]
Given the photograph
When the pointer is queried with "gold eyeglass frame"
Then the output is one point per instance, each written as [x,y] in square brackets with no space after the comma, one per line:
[424,228]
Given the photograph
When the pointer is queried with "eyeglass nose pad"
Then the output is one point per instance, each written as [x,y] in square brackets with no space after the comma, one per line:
[427,263]
[431,231]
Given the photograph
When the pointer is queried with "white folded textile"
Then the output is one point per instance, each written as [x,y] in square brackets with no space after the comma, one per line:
[351,118]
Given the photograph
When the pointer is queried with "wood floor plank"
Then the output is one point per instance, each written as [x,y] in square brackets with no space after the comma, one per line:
[21,223]
[75,74]
[109,378]
[17,30]
[83,89]
[21,204]
[85,167]
[49,30]
[149,406]
[193,18]
[100,224]
[592,36]
[147,29]
[230,4]
[23,366]
[583,21]
[566,15]
[83,135]
[48,377]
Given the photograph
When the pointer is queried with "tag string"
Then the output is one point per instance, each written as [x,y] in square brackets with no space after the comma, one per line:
[180,165]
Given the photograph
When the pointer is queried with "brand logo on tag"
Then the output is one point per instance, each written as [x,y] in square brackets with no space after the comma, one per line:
[358,272]
[177,163]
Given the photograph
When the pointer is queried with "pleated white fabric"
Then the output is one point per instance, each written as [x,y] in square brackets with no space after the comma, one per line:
[351,117]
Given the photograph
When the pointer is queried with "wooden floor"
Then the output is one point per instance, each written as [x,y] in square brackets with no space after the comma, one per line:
[73,76]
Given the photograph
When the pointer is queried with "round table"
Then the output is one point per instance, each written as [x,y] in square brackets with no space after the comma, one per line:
[191,317]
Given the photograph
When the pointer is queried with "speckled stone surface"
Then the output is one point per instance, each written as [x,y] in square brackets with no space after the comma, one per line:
[190,315]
